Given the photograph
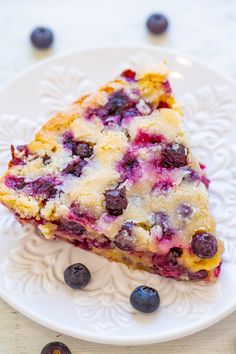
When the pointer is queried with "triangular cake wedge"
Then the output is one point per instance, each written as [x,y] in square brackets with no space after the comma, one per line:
[115,175]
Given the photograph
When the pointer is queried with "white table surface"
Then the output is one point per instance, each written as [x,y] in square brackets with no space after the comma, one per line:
[205,29]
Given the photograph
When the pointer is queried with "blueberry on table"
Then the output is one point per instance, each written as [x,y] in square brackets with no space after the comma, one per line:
[42,37]
[77,276]
[55,348]
[145,299]
[157,23]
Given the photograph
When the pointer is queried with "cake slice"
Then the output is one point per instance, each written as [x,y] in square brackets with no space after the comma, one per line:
[115,175]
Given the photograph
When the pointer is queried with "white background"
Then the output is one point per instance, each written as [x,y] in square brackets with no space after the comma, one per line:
[204,29]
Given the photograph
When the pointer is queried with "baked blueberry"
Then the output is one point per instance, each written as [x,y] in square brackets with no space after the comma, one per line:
[71,227]
[145,299]
[157,23]
[124,239]
[185,210]
[201,274]
[42,37]
[16,183]
[174,155]
[162,220]
[74,168]
[77,276]
[55,348]
[204,245]
[82,149]
[116,201]
[44,187]
[117,103]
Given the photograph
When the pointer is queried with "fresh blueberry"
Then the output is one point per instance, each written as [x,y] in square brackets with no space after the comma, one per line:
[77,276]
[74,168]
[82,149]
[174,155]
[71,227]
[145,299]
[42,37]
[116,201]
[55,348]
[157,23]
[124,239]
[204,245]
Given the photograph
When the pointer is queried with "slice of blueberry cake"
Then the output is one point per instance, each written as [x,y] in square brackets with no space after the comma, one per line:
[115,175]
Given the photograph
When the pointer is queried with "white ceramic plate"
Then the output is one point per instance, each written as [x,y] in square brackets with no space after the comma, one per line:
[31,277]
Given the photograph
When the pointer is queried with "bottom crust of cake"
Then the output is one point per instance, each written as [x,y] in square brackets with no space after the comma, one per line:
[170,265]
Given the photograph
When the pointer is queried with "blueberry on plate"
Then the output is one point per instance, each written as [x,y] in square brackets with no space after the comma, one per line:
[42,37]
[77,276]
[157,23]
[145,299]
[55,348]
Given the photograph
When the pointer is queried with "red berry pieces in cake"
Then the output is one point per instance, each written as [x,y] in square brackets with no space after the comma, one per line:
[163,185]
[167,87]
[204,245]
[16,183]
[217,270]
[70,227]
[15,161]
[185,210]
[124,239]
[42,37]
[74,168]
[163,105]
[44,187]
[168,265]
[157,23]
[129,75]
[145,299]
[77,276]
[201,274]
[116,201]
[55,348]
[146,139]
[174,155]
[23,149]
[205,181]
